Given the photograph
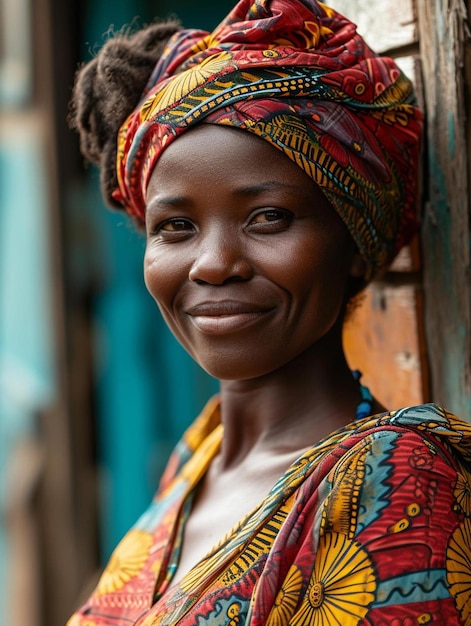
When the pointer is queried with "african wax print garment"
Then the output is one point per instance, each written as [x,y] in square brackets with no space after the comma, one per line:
[297,74]
[371,526]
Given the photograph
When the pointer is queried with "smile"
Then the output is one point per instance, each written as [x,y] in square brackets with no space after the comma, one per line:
[220,318]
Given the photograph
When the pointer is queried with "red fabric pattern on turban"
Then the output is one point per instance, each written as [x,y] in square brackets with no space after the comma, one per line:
[297,74]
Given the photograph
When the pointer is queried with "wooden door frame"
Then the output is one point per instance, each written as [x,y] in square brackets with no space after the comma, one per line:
[446,68]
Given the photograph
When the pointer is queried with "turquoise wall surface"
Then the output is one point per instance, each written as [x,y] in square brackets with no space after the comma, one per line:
[148,388]
[27,376]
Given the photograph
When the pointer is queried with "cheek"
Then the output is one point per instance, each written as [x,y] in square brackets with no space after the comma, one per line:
[314,266]
[317,283]
[151,274]
[161,276]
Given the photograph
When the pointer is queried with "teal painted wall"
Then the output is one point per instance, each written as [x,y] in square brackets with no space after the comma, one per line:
[27,368]
[205,14]
[148,388]
[27,374]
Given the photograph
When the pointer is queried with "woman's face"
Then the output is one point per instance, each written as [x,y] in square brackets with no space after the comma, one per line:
[245,257]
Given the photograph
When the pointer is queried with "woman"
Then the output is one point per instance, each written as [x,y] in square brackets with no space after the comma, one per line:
[274,166]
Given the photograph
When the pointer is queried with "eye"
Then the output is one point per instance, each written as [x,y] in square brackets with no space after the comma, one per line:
[271,220]
[176,225]
[173,229]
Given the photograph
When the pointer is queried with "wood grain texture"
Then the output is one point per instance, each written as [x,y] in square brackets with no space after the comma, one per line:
[443,26]
[384,340]
[385,25]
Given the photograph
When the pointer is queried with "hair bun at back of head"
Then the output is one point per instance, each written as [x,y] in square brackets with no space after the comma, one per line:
[106,91]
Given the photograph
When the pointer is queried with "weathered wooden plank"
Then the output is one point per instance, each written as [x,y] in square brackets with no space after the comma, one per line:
[443,30]
[24,572]
[408,65]
[383,339]
[386,25]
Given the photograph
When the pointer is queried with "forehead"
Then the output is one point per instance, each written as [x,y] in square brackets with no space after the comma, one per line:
[221,157]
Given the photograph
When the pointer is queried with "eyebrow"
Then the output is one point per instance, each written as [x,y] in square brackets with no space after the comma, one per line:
[269,185]
[249,190]
[166,201]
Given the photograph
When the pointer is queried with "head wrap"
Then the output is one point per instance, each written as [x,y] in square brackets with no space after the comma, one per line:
[297,74]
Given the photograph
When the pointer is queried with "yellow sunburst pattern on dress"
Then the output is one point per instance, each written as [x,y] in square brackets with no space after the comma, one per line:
[126,562]
[342,585]
[458,566]
[464,430]
[340,511]
[287,599]
[208,42]
[183,84]
[462,493]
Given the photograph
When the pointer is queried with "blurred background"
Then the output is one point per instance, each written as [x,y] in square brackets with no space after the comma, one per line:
[88,410]
[94,391]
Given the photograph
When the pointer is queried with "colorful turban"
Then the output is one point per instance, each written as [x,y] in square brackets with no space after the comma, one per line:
[297,74]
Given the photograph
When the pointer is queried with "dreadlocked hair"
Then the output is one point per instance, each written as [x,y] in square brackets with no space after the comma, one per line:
[106,91]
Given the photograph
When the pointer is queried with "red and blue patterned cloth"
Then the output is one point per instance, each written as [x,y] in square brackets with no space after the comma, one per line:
[371,526]
[297,74]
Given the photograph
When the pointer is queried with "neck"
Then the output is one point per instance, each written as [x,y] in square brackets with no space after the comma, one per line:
[289,409]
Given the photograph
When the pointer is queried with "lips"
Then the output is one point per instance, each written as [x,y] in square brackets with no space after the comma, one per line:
[217,318]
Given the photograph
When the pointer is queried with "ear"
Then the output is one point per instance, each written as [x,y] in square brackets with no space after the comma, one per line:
[358,266]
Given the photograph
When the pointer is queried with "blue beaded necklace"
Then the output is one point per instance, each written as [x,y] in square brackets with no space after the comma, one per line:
[366,403]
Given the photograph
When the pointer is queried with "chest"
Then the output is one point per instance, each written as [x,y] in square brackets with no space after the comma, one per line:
[217,509]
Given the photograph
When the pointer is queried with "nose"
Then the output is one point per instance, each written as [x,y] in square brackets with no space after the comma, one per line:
[220,258]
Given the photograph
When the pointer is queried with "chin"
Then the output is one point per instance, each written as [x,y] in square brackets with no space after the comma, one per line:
[243,368]
[231,371]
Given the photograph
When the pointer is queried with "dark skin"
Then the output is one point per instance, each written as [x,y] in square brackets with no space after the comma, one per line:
[249,266]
